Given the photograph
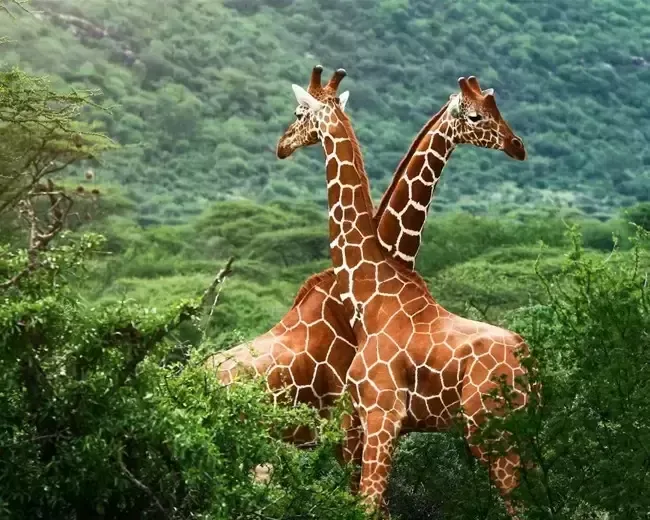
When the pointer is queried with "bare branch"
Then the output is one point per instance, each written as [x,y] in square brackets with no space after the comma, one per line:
[4,6]
[218,280]
[41,233]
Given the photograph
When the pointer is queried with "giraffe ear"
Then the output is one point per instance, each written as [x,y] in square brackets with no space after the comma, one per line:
[454,105]
[305,98]
[343,99]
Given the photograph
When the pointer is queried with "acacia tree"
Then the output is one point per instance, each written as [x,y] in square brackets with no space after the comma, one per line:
[40,136]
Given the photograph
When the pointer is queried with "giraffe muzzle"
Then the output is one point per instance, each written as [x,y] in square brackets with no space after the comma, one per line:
[515,148]
[283,151]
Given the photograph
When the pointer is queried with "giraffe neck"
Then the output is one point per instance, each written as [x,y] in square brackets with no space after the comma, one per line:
[403,210]
[354,247]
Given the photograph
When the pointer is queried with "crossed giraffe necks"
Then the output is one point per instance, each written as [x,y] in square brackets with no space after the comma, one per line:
[317,329]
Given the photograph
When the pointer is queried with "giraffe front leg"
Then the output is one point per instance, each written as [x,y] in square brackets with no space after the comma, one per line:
[382,423]
[352,448]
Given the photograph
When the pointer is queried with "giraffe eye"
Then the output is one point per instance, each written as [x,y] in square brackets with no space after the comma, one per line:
[474,118]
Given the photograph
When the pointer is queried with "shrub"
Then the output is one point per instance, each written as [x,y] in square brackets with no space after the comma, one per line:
[98,421]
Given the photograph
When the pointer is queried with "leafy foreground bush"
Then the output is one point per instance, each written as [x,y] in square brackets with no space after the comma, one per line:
[588,445]
[591,439]
[435,477]
[97,422]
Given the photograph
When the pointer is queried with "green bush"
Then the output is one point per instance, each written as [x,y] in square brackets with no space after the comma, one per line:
[588,440]
[99,422]
[435,477]
[290,247]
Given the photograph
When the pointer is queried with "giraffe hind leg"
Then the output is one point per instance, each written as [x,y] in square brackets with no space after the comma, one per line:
[503,470]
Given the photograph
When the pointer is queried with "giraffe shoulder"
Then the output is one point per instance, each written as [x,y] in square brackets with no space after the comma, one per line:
[311,282]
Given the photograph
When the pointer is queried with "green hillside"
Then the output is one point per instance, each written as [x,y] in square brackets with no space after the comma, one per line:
[200,92]
[472,264]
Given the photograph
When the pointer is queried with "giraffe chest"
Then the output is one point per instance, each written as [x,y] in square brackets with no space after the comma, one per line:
[426,369]
[434,398]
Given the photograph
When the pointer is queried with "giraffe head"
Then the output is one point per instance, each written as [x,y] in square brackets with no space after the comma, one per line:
[475,119]
[314,106]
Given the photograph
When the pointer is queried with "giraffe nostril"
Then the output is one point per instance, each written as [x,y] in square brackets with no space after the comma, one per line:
[516,142]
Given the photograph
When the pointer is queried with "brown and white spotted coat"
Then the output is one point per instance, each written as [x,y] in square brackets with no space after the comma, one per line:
[416,364]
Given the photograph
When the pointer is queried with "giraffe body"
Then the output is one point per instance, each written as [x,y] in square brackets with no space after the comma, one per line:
[421,377]
[304,358]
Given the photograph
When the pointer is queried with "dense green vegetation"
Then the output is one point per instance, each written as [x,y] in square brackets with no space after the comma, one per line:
[123,361]
[104,315]
[99,421]
[200,92]
[486,263]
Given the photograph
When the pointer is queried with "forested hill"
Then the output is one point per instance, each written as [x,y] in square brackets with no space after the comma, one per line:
[201,92]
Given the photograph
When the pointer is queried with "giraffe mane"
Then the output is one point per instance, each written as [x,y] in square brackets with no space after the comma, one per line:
[405,160]
[310,283]
[357,158]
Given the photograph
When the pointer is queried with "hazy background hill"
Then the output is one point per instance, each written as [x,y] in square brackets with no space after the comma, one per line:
[200,92]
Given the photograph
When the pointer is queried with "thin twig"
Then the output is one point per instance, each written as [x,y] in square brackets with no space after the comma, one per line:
[142,487]
[219,280]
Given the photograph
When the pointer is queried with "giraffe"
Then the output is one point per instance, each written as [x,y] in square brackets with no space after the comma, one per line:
[306,355]
[309,335]
[417,366]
